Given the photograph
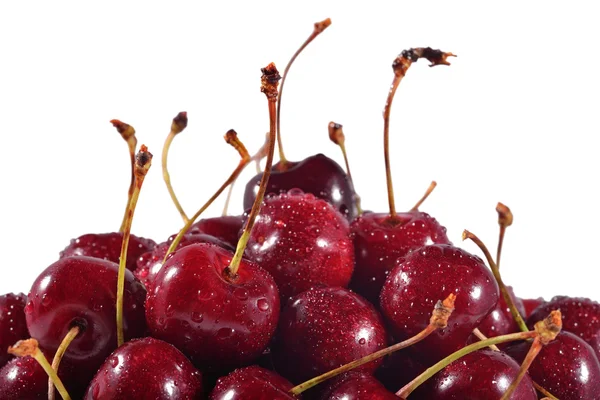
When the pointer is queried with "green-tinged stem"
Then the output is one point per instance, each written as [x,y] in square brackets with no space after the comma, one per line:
[127,132]
[534,350]
[64,345]
[167,176]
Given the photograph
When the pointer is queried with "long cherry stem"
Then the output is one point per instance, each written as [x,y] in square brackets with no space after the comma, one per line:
[143,160]
[336,135]
[30,347]
[128,134]
[400,66]
[60,352]
[318,29]
[481,336]
[505,219]
[534,350]
[439,320]
[177,126]
[269,82]
[429,190]
[509,301]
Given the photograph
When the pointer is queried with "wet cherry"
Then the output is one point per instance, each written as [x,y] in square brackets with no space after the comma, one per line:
[356,386]
[13,326]
[252,383]
[226,228]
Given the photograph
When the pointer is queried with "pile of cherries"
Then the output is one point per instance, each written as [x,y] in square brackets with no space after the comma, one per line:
[302,287]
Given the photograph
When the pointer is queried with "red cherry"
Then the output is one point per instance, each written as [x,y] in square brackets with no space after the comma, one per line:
[325,328]
[398,369]
[356,386]
[146,369]
[380,242]
[219,323]
[107,246]
[531,304]
[13,326]
[82,291]
[413,287]
[580,316]
[303,242]
[481,375]
[226,228]
[252,383]
[566,367]
[500,321]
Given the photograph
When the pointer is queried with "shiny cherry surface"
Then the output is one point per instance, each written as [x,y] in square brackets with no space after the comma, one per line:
[379,243]
[146,368]
[252,383]
[81,291]
[318,174]
[303,242]
[107,246]
[217,322]
[500,321]
[13,326]
[356,386]
[225,228]
[322,329]
[431,274]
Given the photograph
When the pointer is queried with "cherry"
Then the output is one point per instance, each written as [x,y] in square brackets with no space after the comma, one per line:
[398,369]
[431,273]
[303,242]
[481,375]
[325,328]
[566,367]
[146,368]
[226,228]
[580,316]
[356,386]
[531,304]
[252,383]
[82,291]
[500,321]
[13,326]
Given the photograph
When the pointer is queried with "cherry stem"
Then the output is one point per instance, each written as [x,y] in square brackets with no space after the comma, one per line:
[400,66]
[319,27]
[438,320]
[236,172]
[128,134]
[430,189]
[544,392]
[177,126]
[64,345]
[30,347]
[505,219]
[336,135]
[143,160]
[269,82]
[534,350]
[481,336]
[509,301]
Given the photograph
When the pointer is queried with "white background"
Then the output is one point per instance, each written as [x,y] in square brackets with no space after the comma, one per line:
[514,119]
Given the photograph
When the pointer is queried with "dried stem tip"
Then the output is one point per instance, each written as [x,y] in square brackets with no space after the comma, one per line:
[179,123]
[549,327]
[321,26]
[407,57]
[143,160]
[336,133]
[124,129]
[24,348]
[442,311]
[232,139]
[505,216]
[269,81]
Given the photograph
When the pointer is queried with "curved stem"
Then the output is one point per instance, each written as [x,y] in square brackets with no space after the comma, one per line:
[430,189]
[505,219]
[336,135]
[534,350]
[128,134]
[64,345]
[167,177]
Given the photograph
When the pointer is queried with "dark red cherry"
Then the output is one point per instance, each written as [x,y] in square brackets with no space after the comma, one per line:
[252,383]
[379,243]
[356,386]
[226,228]
[531,304]
[13,326]
[82,291]
[426,276]
[398,369]
[566,367]
[318,174]
[146,369]
[150,263]
[325,328]
[303,242]
[218,322]
[107,246]
[481,375]
[500,321]
[580,316]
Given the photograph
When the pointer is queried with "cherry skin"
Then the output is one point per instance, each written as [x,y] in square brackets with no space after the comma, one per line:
[356,386]
[107,246]
[500,321]
[398,369]
[318,174]
[566,367]
[325,328]
[303,242]
[379,243]
[580,316]
[481,375]
[13,326]
[252,383]
[150,263]
[82,291]
[531,304]
[146,368]
[226,228]
[218,322]
[426,276]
